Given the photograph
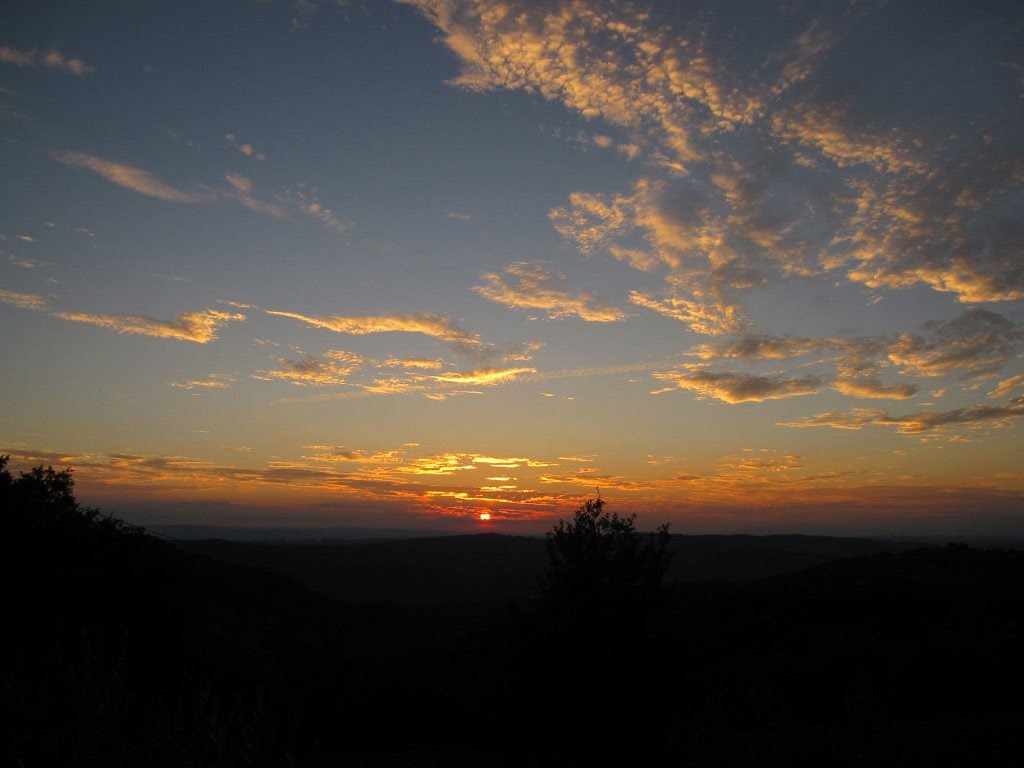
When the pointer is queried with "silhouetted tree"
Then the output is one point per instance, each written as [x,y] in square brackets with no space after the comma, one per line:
[600,567]
[45,498]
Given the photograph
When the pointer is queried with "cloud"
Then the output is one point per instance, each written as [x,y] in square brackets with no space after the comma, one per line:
[914,423]
[243,192]
[308,204]
[421,363]
[598,60]
[303,12]
[312,371]
[52,59]
[213,381]
[23,263]
[338,454]
[246,149]
[426,323]
[762,151]
[533,286]
[521,351]
[740,387]
[23,300]
[487,376]
[708,317]
[760,347]
[1007,387]
[976,343]
[858,375]
[129,177]
[199,327]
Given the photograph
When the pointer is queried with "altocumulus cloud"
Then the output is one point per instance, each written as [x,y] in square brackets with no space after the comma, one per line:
[760,173]
[333,369]
[534,286]
[916,422]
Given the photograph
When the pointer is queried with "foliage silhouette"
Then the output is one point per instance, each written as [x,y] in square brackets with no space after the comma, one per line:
[44,499]
[599,567]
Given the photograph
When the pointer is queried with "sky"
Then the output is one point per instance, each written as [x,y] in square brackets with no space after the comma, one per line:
[463,264]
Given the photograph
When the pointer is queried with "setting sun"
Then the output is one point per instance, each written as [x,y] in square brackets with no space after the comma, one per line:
[485,516]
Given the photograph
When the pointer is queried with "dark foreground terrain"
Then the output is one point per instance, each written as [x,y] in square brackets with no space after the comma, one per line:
[121,650]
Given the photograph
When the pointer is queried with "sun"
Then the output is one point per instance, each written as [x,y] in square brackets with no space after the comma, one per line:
[485,516]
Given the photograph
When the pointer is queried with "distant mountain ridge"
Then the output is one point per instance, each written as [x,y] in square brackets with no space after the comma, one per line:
[495,566]
[192,532]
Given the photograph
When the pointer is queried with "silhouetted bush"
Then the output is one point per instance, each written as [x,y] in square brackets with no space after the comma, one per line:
[598,565]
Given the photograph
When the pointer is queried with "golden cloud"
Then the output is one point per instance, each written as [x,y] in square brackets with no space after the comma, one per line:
[533,286]
[23,300]
[199,327]
[332,370]
[760,347]
[740,387]
[709,317]
[130,177]
[426,323]
[915,423]
[487,376]
[1007,387]
[213,381]
[339,454]
[976,343]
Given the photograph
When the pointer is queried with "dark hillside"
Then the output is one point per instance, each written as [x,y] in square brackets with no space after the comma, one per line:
[435,570]
[498,567]
[121,650]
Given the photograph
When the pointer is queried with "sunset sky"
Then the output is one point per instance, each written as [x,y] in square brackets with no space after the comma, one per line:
[744,267]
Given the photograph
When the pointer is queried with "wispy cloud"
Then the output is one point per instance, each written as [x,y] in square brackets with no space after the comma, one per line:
[130,177]
[213,381]
[308,204]
[243,191]
[760,347]
[245,149]
[420,363]
[1007,387]
[331,369]
[24,263]
[339,454]
[23,300]
[534,286]
[711,318]
[52,59]
[484,376]
[976,343]
[916,422]
[199,327]
[740,387]
[425,323]
[858,374]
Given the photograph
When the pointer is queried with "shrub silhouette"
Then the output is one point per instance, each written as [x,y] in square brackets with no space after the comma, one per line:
[599,567]
[44,499]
